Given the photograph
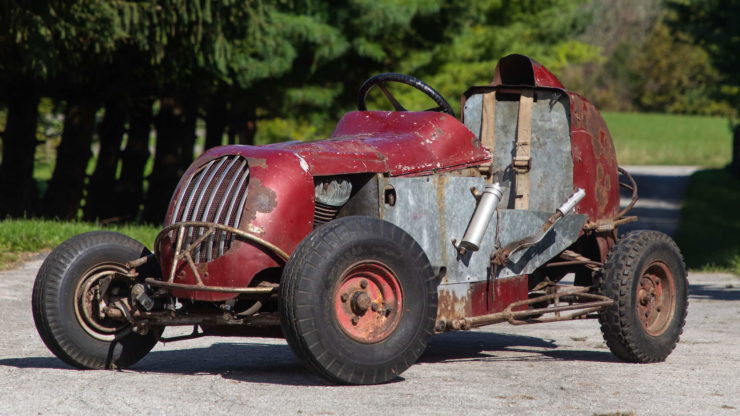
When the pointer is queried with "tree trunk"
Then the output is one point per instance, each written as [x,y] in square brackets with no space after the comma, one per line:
[101,202]
[173,154]
[243,125]
[62,199]
[17,187]
[130,187]
[216,121]
[735,164]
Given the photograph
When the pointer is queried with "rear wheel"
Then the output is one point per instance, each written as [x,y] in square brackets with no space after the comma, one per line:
[646,277]
[76,282]
[358,301]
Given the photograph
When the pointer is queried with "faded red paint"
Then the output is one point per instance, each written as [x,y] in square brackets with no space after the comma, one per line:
[495,295]
[393,142]
[279,209]
[594,160]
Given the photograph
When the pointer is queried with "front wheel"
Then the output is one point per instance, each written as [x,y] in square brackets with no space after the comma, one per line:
[76,282]
[646,277]
[358,301]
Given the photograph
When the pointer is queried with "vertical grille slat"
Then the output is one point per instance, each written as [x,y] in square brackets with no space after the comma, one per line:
[206,193]
[245,191]
[207,213]
[220,235]
[197,216]
[193,192]
[230,212]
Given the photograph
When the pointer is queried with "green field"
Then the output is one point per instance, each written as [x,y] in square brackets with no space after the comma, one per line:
[668,139]
[20,237]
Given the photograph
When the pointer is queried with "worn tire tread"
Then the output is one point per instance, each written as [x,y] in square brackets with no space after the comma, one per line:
[307,256]
[46,312]
[617,327]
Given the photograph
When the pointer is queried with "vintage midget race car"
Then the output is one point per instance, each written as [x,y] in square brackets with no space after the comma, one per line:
[358,248]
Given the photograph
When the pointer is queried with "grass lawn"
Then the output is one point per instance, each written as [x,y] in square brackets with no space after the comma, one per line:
[709,235]
[669,139]
[18,238]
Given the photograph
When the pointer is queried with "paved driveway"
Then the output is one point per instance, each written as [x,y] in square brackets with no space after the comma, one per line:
[661,190]
[552,369]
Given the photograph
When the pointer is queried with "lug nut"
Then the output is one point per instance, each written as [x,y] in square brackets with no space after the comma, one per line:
[363,284]
[374,307]
[355,319]
[345,297]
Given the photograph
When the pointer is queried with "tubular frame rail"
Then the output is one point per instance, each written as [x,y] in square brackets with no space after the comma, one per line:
[594,303]
[186,253]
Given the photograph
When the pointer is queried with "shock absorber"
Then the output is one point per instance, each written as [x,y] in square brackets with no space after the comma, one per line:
[487,203]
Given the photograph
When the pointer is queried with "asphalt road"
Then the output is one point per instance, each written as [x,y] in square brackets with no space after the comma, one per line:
[661,190]
[550,369]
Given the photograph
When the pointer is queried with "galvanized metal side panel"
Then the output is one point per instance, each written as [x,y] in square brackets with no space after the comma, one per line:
[551,174]
[418,212]
[434,210]
[515,225]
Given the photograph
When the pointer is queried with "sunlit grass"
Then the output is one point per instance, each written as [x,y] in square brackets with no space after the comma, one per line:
[669,139]
[19,237]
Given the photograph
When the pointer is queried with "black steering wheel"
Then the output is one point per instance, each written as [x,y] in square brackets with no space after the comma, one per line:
[380,79]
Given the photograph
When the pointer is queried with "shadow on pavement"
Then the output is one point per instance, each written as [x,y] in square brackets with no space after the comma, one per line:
[714,292]
[484,346]
[668,188]
[276,364]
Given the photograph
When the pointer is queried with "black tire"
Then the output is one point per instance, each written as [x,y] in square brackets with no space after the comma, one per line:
[646,276]
[57,312]
[334,260]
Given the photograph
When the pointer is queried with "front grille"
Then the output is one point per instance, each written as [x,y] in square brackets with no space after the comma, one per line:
[215,193]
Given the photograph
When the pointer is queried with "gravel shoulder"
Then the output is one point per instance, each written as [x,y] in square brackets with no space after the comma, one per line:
[560,368]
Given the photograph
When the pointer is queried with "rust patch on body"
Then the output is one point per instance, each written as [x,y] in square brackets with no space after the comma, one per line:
[450,306]
[260,199]
[257,162]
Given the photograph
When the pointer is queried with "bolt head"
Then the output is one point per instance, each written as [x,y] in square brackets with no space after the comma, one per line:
[363,284]
[374,306]
[355,320]
[344,297]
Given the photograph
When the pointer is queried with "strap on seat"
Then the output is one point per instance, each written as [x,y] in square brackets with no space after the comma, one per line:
[522,162]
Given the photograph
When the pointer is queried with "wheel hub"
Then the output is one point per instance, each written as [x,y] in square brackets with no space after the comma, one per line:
[656,298]
[368,302]
[99,288]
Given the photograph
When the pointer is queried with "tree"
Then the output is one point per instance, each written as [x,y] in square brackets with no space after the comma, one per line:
[713,24]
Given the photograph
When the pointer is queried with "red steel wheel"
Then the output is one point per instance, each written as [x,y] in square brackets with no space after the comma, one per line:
[358,301]
[368,302]
[646,277]
[656,298]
